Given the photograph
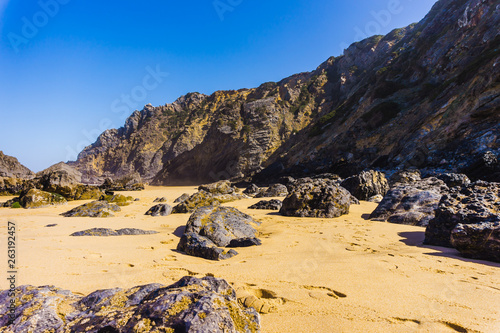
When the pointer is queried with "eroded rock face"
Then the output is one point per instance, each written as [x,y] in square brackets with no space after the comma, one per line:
[478,241]
[366,184]
[100,208]
[40,199]
[273,204]
[405,177]
[454,179]
[317,199]
[472,204]
[209,228]
[129,182]
[160,210]
[275,190]
[11,168]
[412,203]
[485,167]
[104,232]
[190,305]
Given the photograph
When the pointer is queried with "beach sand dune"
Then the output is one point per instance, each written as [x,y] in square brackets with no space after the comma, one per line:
[346,274]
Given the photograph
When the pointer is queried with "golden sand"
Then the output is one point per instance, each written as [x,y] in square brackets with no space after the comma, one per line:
[346,274]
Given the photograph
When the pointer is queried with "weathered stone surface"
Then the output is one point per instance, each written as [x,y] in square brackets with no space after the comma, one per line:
[209,228]
[160,210]
[475,203]
[110,232]
[366,184]
[252,190]
[190,305]
[39,199]
[485,167]
[129,182]
[162,199]
[454,179]
[220,187]
[275,190]
[182,198]
[411,203]
[478,241]
[98,208]
[317,199]
[273,204]
[11,168]
[376,198]
[118,199]
[13,186]
[405,177]
[202,199]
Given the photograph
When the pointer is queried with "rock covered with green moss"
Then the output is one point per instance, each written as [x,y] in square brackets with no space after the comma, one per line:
[100,208]
[40,199]
[190,305]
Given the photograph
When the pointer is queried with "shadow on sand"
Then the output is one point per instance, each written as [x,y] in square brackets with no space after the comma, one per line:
[416,238]
[179,231]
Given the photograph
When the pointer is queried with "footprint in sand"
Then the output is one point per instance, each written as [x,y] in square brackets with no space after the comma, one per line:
[431,326]
[324,291]
[262,300]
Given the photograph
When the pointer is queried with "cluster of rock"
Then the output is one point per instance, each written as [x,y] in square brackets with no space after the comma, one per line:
[131,182]
[211,229]
[273,204]
[105,232]
[160,210]
[189,305]
[105,207]
[208,195]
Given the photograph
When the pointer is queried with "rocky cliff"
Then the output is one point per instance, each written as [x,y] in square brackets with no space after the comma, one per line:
[10,167]
[427,95]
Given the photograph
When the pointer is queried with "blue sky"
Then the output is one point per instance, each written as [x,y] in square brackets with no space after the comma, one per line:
[70,69]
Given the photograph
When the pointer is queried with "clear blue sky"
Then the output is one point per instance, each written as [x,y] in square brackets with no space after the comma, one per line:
[67,66]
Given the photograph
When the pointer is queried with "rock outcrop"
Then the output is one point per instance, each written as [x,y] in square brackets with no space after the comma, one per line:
[412,203]
[105,232]
[272,204]
[189,305]
[100,208]
[210,228]
[129,182]
[423,96]
[40,199]
[11,168]
[317,199]
[366,184]
[472,204]
[275,190]
[160,210]
[478,241]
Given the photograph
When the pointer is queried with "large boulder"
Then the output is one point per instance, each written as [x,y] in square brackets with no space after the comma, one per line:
[191,305]
[104,232]
[478,241]
[475,203]
[39,199]
[275,190]
[454,179]
[252,190]
[366,184]
[411,203]
[211,227]
[317,199]
[273,204]
[220,187]
[100,208]
[160,210]
[405,177]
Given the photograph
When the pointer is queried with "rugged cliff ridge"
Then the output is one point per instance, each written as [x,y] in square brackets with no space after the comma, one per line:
[427,95]
[10,167]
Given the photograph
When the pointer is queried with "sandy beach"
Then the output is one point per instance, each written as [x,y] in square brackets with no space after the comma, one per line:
[346,274]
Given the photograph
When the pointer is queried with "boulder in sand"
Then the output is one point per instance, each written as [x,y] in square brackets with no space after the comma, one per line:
[366,184]
[160,210]
[104,232]
[273,204]
[478,241]
[203,198]
[39,199]
[411,203]
[189,305]
[93,209]
[275,190]
[317,199]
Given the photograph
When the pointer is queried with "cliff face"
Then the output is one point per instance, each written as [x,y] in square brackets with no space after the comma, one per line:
[427,95]
[10,167]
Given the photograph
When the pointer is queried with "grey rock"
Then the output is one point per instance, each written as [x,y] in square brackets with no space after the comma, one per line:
[411,203]
[475,203]
[182,198]
[111,232]
[275,190]
[252,190]
[11,168]
[454,179]
[191,305]
[162,199]
[93,209]
[160,210]
[317,199]
[220,187]
[273,204]
[203,199]
[405,177]
[478,241]
[198,246]
[376,198]
[366,184]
